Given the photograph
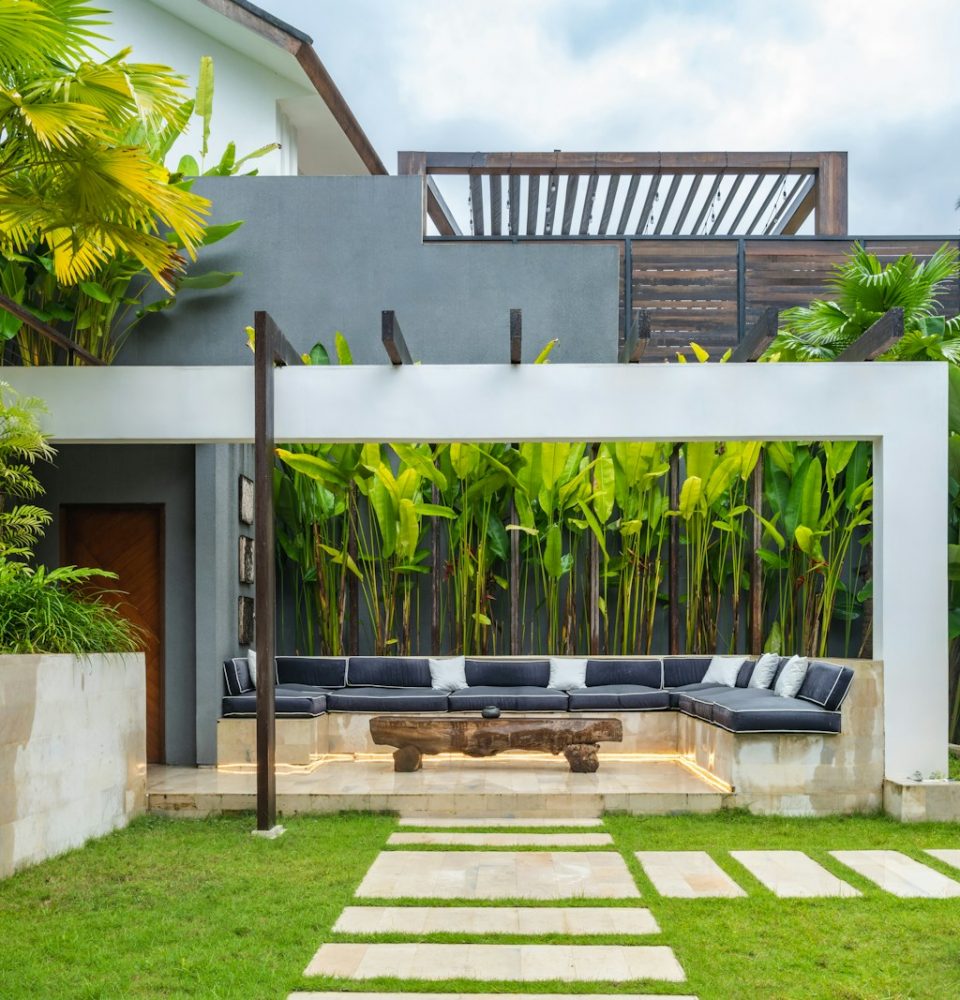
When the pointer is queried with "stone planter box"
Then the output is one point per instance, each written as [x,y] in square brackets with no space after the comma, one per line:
[922,801]
[72,752]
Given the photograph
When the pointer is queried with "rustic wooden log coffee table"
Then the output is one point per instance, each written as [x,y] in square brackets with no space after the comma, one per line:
[577,739]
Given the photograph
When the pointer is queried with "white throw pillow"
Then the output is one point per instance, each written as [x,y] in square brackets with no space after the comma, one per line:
[252,667]
[448,673]
[791,677]
[764,670]
[567,673]
[723,670]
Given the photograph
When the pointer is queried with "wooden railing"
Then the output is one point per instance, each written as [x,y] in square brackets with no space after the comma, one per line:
[70,352]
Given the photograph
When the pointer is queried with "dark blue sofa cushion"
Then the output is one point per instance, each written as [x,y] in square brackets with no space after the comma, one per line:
[388,671]
[506,672]
[236,676]
[681,670]
[826,684]
[647,671]
[697,705]
[619,697]
[287,702]
[521,698]
[317,671]
[691,689]
[384,699]
[759,711]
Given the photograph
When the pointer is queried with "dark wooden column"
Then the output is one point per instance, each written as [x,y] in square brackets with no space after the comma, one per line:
[756,565]
[270,350]
[674,553]
[831,213]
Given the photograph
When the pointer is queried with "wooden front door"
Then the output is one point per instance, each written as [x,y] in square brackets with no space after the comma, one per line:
[128,541]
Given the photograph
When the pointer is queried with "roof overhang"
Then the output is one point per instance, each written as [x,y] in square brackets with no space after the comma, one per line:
[285,50]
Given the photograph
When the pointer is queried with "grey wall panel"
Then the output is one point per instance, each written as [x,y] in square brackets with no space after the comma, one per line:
[155,474]
[329,253]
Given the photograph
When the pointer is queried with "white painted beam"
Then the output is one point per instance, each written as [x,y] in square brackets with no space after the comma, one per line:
[901,407]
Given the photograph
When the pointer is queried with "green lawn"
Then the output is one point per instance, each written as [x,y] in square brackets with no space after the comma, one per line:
[181,908]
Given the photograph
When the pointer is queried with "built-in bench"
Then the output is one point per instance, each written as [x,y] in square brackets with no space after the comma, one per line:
[312,686]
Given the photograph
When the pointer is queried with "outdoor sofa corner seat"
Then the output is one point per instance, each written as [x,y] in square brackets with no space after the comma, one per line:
[313,685]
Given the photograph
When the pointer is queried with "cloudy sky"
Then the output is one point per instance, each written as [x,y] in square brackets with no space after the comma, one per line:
[878,78]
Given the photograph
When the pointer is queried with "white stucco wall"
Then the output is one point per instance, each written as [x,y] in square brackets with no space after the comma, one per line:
[246,91]
[72,752]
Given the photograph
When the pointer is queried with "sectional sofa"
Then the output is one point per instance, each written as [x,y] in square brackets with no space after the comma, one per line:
[309,687]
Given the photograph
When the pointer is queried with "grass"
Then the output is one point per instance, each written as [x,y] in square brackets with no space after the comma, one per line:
[200,909]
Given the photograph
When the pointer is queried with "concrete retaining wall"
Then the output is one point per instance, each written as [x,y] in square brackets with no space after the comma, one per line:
[72,752]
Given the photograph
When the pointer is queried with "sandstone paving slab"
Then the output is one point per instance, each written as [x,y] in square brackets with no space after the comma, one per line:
[571,920]
[687,874]
[486,962]
[792,874]
[464,822]
[950,857]
[504,839]
[897,874]
[498,875]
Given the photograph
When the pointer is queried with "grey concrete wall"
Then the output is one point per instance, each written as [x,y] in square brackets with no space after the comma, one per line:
[126,474]
[218,470]
[329,253]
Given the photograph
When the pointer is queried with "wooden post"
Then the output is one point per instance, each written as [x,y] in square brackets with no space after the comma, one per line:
[593,582]
[756,565]
[514,584]
[353,590]
[674,555]
[831,214]
[435,571]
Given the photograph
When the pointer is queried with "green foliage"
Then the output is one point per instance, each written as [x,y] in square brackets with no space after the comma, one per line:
[865,290]
[48,611]
[87,141]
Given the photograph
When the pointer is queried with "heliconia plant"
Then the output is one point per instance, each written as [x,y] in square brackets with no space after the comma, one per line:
[397,521]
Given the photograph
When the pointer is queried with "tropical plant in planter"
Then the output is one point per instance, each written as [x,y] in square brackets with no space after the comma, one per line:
[42,611]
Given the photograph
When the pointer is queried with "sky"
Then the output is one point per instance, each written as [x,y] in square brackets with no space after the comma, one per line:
[877,78]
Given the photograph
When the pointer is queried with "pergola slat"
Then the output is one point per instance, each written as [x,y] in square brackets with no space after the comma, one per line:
[795,209]
[533,203]
[476,204]
[746,203]
[771,194]
[668,203]
[513,195]
[553,186]
[759,338]
[687,204]
[726,203]
[612,185]
[628,203]
[587,215]
[569,203]
[648,203]
[714,188]
[496,205]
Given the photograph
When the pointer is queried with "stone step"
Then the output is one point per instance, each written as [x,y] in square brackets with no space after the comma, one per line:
[528,921]
[494,962]
[465,822]
[949,857]
[897,874]
[504,839]
[791,874]
[498,875]
[687,874]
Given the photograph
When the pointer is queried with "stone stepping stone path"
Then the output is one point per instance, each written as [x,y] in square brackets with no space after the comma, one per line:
[498,875]
[480,996]
[529,921]
[947,857]
[687,874]
[487,962]
[791,874]
[483,821]
[897,874]
[505,839]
